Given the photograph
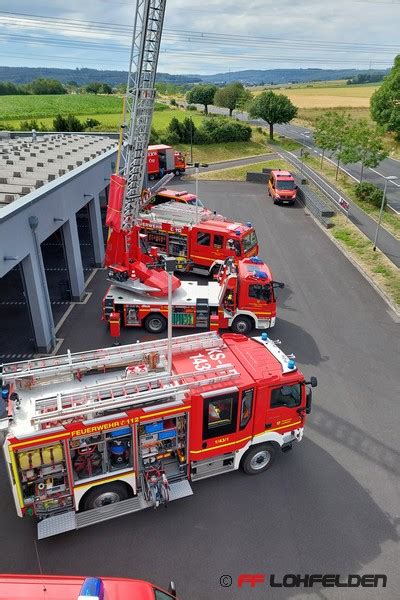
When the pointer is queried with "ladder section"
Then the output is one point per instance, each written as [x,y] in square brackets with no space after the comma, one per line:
[140,97]
[126,394]
[177,212]
[38,370]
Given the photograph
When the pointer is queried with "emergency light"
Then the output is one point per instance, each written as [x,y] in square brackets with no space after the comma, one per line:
[92,589]
[291,364]
[260,274]
[255,260]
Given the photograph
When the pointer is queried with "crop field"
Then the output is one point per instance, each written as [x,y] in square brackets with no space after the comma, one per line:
[106,109]
[356,96]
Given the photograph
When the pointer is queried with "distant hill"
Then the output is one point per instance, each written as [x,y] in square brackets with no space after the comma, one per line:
[249,77]
[83,76]
[280,76]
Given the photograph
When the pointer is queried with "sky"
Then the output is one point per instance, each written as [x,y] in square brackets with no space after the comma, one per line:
[204,37]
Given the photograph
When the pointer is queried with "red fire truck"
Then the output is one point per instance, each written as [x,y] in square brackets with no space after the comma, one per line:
[241,299]
[84,427]
[162,159]
[201,239]
[282,187]
[66,587]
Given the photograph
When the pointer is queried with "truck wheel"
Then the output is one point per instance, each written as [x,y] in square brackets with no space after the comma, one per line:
[242,324]
[103,495]
[214,271]
[155,323]
[258,459]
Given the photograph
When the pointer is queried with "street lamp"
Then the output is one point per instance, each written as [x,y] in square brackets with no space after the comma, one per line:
[390,178]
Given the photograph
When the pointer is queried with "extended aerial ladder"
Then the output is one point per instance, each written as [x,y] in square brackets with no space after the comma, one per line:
[127,196]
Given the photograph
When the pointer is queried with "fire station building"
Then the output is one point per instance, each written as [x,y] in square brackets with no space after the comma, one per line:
[51,233]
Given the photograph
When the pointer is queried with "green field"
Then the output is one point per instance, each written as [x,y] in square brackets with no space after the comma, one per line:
[239,173]
[106,109]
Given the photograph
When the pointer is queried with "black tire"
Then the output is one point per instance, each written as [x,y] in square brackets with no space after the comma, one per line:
[276,201]
[103,495]
[242,324]
[258,459]
[214,271]
[155,323]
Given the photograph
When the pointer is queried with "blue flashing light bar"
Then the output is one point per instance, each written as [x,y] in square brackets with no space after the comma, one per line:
[92,589]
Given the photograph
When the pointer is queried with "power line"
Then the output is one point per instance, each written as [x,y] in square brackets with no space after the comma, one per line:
[193,35]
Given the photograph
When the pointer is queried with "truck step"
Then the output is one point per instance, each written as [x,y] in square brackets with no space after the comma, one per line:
[212,467]
[70,520]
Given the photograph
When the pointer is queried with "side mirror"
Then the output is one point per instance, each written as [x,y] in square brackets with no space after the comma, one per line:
[308,401]
[172,589]
[313,382]
[278,284]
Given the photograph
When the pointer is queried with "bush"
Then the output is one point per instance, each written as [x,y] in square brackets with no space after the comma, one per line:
[69,123]
[173,102]
[368,192]
[170,138]
[29,125]
[154,137]
[217,130]
[191,107]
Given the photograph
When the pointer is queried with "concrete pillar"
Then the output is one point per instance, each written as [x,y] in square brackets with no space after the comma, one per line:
[39,302]
[74,259]
[96,231]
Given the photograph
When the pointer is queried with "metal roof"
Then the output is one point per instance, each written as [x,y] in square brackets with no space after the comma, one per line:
[27,164]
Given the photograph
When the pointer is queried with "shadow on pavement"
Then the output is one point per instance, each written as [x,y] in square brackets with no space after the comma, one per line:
[301,344]
[333,427]
[307,515]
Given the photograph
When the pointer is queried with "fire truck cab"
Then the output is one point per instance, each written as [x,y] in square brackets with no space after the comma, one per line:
[67,587]
[241,299]
[201,239]
[83,427]
[282,187]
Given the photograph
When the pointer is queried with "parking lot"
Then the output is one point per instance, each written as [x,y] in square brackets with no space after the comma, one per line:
[329,506]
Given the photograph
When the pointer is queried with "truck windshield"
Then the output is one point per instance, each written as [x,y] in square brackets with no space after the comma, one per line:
[249,241]
[192,201]
[285,185]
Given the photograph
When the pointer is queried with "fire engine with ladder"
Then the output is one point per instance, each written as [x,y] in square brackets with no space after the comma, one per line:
[199,238]
[242,298]
[83,428]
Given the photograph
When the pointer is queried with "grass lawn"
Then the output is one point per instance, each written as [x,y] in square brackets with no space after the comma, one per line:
[210,153]
[239,173]
[377,266]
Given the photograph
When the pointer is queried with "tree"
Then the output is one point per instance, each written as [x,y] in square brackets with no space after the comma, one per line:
[230,96]
[46,86]
[333,132]
[202,94]
[363,144]
[175,127]
[90,123]
[385,101]
[105,88]
[273,108]
[94,87]
[323,134]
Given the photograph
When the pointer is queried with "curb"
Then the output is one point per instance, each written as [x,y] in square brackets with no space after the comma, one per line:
[359,268]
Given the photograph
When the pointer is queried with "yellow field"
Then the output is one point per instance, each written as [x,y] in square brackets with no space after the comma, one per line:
[355,96]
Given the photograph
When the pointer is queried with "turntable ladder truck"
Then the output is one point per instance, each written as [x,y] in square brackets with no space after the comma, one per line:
[124,256]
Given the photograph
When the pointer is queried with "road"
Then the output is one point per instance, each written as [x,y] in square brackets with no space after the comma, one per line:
[303,135]
[329,506]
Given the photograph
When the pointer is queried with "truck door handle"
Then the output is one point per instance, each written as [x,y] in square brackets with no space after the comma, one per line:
[268,425]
